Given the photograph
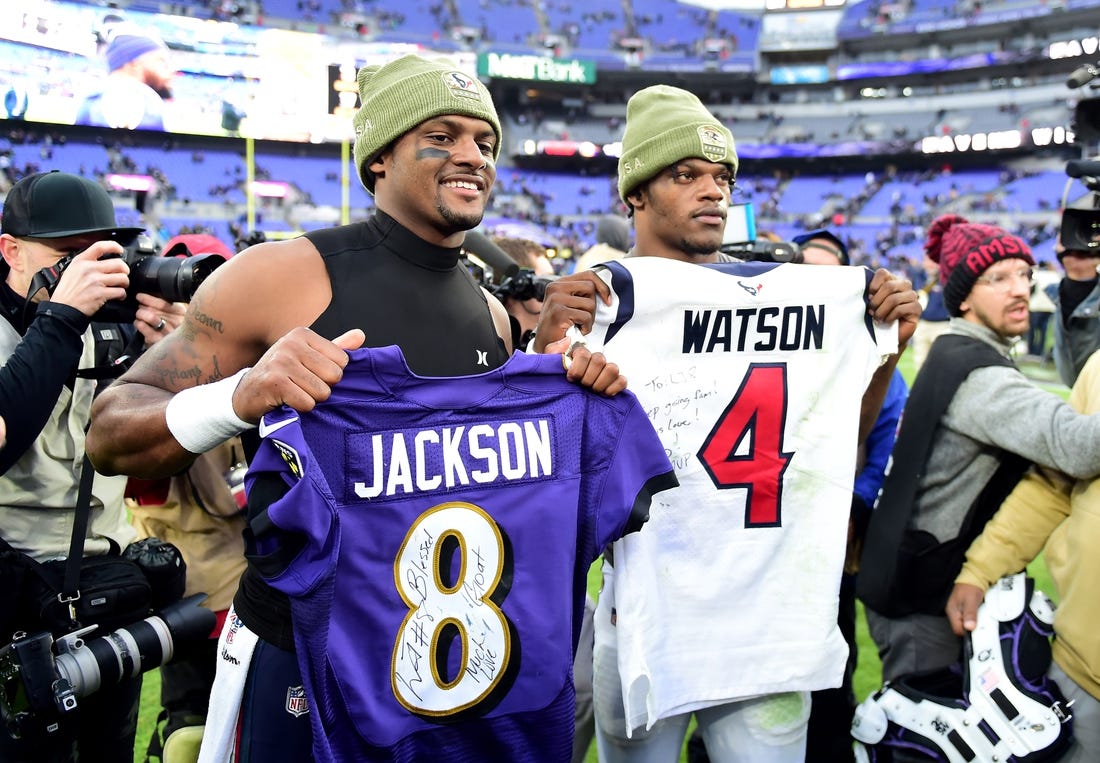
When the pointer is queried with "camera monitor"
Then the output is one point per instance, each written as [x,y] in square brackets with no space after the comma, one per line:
[740,225]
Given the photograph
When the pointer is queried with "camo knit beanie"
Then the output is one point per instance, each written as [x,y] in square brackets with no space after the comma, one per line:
[400,95]
[665,125]
[965,250]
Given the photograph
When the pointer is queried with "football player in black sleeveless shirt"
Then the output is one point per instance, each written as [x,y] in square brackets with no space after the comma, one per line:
[271,327]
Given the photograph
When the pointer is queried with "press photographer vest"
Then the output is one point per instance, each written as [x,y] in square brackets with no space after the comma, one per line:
[904,570]
[47,476]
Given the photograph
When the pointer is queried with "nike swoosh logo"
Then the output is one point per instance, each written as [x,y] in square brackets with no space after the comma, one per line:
[266,429]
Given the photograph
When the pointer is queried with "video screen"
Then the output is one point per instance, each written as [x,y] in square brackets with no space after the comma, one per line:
[71,64]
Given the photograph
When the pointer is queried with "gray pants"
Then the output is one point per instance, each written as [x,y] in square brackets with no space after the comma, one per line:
[765,729]
[913,644]
[1086,718]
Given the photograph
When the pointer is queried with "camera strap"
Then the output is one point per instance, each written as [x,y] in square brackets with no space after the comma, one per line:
[108,366]
[70,588]
[47,279]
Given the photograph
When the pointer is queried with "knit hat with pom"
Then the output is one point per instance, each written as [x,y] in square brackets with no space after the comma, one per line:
[400,95]
[965,250]
[665,125]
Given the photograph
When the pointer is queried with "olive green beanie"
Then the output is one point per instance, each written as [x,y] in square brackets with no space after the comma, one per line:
[665,125]
[409,90]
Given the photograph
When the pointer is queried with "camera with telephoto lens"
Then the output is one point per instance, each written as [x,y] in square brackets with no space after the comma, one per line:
[42,679]
[175,279]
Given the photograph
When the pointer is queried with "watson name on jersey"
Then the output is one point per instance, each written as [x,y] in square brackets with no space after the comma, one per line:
[752,375]
[440,535]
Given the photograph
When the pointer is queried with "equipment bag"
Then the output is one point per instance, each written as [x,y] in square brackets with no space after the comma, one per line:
[113,591]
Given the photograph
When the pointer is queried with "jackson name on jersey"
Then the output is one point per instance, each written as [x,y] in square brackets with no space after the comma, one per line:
[425,460]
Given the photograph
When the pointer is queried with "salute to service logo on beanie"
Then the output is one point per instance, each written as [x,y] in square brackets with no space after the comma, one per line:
[400,95]
[965,250]
[665,125]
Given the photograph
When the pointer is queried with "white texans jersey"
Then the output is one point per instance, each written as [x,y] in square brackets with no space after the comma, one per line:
[752,375]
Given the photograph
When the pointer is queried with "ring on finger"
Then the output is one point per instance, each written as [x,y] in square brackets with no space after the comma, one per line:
[160,326]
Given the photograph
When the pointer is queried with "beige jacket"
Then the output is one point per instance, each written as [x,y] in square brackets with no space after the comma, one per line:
[201,518]
[1064,514]
[595,255]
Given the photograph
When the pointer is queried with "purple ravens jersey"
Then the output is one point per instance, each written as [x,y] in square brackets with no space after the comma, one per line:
[441,532]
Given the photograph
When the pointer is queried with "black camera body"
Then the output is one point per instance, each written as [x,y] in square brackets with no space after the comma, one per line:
[523,284]
[762,250]
[41,679]
[30,660]
[175,279]
[1080,227]
[739,239]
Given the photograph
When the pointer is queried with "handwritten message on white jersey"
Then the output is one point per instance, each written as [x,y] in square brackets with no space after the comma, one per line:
[752,375]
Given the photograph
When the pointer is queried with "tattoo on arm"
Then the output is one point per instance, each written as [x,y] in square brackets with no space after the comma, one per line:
[216,374]
[209,321]
[175,379]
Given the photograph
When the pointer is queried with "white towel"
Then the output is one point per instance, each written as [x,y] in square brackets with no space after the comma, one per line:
[235,648]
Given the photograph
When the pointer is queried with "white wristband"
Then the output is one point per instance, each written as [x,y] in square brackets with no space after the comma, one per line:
[202,417]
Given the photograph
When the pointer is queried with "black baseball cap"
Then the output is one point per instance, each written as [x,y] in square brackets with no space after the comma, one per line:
[841,250]
[57,204]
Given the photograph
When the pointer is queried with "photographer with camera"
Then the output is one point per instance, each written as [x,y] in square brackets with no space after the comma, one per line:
[521,292]
[61,249]
[1077,298]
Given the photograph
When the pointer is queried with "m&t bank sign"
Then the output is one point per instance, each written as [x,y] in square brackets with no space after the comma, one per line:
[537,68]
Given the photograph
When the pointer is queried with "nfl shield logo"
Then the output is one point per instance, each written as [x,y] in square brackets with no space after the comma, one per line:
[296,703]
[235,625]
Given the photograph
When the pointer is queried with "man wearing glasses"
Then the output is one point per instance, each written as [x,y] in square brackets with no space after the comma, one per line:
[972,426]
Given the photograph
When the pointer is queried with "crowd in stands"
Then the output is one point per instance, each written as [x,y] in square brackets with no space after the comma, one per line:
[665,31]
[883,212]
[887,216]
